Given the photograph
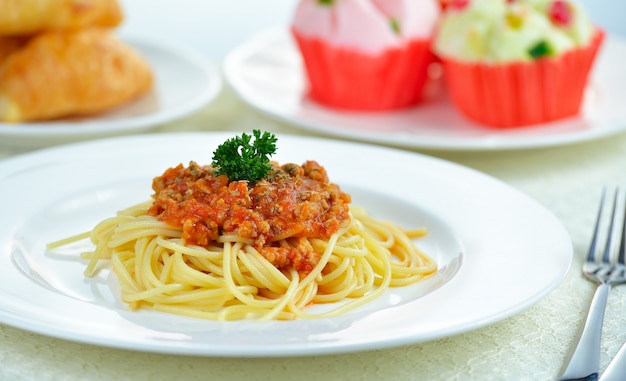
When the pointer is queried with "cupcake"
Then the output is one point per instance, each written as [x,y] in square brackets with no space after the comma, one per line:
[366,55]
[510,63]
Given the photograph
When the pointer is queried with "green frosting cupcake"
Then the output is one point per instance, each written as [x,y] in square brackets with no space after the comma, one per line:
[501,31]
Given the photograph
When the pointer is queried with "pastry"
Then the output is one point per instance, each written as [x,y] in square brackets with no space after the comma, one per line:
[366,55]
[10,44]
[33,16]
[56,74]
[511,63]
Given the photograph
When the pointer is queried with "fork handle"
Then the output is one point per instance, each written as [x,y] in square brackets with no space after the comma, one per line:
[585,359]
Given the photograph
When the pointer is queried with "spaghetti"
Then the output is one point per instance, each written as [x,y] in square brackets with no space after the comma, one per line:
[216,249]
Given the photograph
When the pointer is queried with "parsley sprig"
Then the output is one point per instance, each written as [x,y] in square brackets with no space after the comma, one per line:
[241,158]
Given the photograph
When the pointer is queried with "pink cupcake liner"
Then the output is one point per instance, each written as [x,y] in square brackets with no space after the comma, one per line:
[348,79]
[524,93]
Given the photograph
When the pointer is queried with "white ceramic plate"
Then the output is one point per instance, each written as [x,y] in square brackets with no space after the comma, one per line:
[184,82]
[486,239]
[267,73]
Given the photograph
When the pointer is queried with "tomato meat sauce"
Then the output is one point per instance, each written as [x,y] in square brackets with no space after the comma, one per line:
[294,202]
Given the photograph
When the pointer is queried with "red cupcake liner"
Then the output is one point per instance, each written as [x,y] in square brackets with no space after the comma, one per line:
[347,79]
[524,93]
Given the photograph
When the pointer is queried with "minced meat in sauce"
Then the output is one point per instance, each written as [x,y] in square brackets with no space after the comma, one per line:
[293,201]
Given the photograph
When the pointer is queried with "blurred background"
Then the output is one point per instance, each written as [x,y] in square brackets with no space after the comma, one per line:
[214,27]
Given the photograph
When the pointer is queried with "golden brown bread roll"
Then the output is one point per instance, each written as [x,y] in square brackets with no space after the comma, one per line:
[32,16]
[10,44]
[70,73]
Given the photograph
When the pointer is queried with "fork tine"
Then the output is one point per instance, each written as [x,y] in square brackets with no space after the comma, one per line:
[622,247]
[591,256]
[584,361]
[608,249]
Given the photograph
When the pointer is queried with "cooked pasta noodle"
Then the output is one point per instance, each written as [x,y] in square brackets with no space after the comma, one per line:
[229,279]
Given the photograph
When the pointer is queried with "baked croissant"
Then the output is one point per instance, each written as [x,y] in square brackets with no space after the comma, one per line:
[10,44]
[32,16]
[70,73]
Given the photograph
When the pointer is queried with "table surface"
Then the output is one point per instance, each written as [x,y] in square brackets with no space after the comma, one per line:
[531,345]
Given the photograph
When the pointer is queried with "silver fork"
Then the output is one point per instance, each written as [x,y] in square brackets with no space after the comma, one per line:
[606,270]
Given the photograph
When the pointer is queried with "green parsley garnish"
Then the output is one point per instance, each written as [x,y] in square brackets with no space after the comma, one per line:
[242,158]
[542,49]
[326,2]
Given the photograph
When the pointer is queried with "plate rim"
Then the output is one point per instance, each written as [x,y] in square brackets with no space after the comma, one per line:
[21,163]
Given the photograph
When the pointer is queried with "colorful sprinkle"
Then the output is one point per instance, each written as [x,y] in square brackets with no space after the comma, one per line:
[560,13]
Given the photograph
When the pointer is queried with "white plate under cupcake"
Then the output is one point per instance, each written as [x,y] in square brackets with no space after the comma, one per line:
[267,73]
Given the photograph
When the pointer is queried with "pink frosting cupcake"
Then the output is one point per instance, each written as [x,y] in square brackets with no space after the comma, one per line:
[368,55]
